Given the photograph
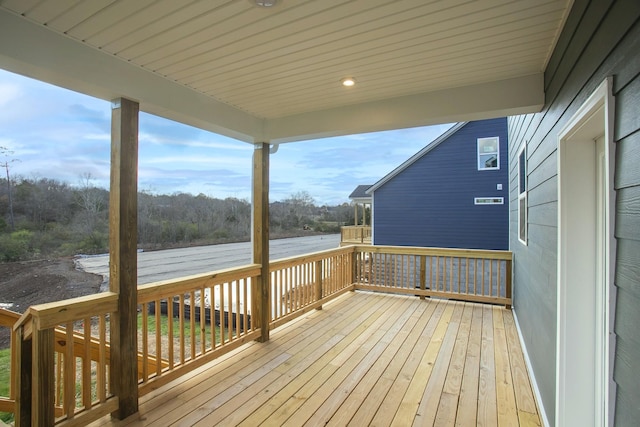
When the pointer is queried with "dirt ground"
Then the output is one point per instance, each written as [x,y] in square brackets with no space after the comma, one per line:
[23,284]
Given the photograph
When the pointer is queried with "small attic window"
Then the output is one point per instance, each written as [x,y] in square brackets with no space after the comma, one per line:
[488,200]
[488,153]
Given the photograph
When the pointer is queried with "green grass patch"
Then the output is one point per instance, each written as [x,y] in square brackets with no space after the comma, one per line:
[164,327]
[5,378]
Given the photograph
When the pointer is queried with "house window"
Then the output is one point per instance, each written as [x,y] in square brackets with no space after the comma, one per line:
[488,200]
[488,153]
[522,195]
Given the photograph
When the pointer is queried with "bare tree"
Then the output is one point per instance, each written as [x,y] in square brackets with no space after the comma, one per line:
[301,206]
[6,153]
[92,202]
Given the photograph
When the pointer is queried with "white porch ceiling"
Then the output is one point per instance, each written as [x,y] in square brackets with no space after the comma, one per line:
[274,74]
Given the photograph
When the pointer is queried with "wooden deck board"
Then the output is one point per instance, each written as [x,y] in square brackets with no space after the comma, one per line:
[505,396]
[468,399]
[365,359]
[375,362]
[487,405]
[389,406]
[428,407]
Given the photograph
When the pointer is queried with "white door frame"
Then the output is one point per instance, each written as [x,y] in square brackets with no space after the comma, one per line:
[585,272]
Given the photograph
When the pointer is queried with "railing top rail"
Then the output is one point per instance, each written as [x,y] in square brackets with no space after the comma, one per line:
[151,291]
[45,316]
[450,252]
[8,317]
[310,257]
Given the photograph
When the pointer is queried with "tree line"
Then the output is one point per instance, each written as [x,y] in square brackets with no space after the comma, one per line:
[42,217]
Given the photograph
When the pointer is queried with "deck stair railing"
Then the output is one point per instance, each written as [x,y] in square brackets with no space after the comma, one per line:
[55,380]
[186,322]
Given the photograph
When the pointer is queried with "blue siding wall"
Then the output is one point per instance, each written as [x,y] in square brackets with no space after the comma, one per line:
[431,202]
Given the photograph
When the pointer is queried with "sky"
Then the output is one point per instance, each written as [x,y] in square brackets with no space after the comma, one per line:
[64,135]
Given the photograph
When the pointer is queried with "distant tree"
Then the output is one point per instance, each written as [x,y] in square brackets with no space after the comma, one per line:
[6,153]
[43,201]
[300,209]
[53,218]
[92,218]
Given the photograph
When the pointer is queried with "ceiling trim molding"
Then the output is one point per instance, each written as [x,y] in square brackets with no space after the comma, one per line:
[515,96]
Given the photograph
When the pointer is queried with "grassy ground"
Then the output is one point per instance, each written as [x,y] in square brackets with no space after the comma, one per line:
[164,327]
[5,375]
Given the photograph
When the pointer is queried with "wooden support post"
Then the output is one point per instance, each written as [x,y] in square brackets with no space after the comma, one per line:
[23,383]
[423,274]
[260,289]
[508,291]
[356,268]
[355,216]
[42,377]
[318,280]
[123,262]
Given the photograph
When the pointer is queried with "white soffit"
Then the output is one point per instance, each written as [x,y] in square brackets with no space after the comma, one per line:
[260,74]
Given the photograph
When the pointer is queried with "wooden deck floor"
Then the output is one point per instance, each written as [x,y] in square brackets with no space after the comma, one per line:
[365,359]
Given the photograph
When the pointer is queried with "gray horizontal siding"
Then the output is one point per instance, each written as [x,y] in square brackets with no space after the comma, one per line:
[628,267]
[627,152]
[628,213]
[600,39]
[627,119]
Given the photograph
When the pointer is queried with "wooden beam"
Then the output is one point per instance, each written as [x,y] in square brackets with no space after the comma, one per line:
[318,280]
[509,275]
[23,379]
[260,239]
[123,263]
[364,214]
[42,377]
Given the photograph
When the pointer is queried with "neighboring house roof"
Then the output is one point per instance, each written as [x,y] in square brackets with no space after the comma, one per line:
[360,193]
[414,158]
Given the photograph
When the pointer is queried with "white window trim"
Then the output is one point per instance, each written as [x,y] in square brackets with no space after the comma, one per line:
[523,196]
[497,138]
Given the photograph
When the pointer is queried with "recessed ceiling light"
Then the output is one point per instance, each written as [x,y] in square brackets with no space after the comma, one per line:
[265,3]
[349,81]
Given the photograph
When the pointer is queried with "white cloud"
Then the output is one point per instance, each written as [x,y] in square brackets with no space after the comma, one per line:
[62,135]
[8,94]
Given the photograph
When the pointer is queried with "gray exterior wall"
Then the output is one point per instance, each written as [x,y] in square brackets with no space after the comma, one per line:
[601,38]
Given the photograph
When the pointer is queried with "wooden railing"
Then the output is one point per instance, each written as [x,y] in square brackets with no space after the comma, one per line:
[462,274]
[190,321]
[302,283]
[62,364]
[187,322]
[355,234]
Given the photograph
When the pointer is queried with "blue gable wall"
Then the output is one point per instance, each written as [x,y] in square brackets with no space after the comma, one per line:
[431,202]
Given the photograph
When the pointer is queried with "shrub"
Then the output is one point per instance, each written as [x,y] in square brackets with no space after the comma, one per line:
[15,246]
[95,243]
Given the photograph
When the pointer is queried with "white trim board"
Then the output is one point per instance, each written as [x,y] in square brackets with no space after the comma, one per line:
[585,232]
